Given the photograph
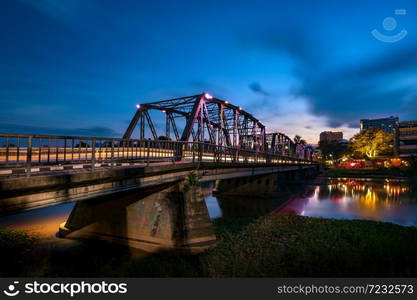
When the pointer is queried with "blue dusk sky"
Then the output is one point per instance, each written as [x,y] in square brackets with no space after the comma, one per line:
[80,66]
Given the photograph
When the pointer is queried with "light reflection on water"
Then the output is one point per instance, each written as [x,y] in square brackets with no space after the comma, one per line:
[342,198]
[213,207]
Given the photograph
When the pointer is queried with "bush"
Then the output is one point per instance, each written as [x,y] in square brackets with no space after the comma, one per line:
[294,246]
[16,250]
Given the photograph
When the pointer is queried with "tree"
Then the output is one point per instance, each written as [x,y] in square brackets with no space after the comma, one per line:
[333,149]
[372,142]
[299,140]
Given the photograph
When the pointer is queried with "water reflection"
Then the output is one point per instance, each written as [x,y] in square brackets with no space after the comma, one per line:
[213,207]
[244,206]
[387,200]
[240,206]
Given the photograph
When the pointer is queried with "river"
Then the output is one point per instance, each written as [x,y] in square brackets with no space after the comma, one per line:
[386,200]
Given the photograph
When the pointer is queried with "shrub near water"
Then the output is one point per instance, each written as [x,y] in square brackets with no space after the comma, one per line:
[285,246]
[16,249]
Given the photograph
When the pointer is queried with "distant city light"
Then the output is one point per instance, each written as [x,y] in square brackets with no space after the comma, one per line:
[137,106]
[208,96]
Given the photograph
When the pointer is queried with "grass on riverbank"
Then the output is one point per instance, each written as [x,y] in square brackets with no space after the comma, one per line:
[287,246]
[269,246]
[16,249]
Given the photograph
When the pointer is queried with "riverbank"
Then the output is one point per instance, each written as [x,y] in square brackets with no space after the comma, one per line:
[269,246]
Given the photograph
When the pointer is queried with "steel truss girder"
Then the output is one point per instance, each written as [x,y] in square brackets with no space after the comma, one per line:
[204,119]
[279,143]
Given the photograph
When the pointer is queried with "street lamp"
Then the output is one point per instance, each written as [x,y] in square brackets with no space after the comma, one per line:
[208,96]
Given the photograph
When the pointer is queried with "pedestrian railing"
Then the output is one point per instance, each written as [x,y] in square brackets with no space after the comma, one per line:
[29,151]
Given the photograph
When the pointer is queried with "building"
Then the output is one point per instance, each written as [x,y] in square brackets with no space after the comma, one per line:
[331,136]
[406,139]
[386,124]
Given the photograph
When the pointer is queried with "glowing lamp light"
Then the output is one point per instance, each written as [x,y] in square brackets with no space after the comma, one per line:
[137,106]
[164,111]
[208,96]
[226,102]
[240,108]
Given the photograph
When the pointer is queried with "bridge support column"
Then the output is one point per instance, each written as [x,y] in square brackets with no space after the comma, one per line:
[165,219]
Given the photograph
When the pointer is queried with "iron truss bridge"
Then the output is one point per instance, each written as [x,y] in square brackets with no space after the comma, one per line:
[195,129]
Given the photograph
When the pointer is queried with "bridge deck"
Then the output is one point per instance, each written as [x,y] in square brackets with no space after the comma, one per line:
[23,192]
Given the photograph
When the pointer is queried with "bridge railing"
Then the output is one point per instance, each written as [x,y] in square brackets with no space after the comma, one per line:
[31,153]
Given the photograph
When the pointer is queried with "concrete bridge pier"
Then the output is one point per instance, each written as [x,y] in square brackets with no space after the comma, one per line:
[172,217]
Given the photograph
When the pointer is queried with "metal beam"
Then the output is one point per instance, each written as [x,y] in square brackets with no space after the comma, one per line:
[132,124]
[191,120]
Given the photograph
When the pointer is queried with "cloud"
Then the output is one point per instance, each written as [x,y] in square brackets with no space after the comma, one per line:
[94,131]
[290,40]
[380,86]
[296,119]
[354,125]
[334,124]
[374,90]
[257,88]
[98,131]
